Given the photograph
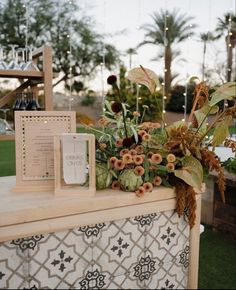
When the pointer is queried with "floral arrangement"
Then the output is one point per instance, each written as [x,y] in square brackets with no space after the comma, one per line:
[137,156]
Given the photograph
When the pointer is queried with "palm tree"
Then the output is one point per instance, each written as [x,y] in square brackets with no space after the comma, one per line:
[131,52]
[205,38]
[168,28]
[227,27]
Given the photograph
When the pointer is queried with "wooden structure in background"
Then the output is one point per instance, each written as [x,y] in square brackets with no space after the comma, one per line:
[31,79]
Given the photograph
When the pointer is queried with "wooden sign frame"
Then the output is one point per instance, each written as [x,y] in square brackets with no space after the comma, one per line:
[61,188]
[34,133]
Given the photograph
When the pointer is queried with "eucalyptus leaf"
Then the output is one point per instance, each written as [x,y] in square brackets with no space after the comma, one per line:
[108,106]
[221,131]
[135,133]
[191,172]
[224,92]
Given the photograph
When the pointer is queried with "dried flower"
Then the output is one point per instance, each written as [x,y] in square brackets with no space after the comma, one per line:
[111,80]
[156,158]
[170,166]
[136,114]
[142,132]
[116,107]
[138,159]
[139,170]
[127,158]
[113,160]
[140,192]
[171,157]
[123,152]
[146,137]
[115,185]
[148,186]
[103,121]
[157,181]
[156,125]
[102,146]
[139,149]
[133,152]
[118,143]
[119,164]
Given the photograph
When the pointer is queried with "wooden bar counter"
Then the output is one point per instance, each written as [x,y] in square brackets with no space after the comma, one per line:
[114,240]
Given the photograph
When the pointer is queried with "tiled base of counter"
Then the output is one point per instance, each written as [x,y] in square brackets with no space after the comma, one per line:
[144,252]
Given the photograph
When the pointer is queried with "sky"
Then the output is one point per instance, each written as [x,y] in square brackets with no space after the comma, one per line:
[127,16]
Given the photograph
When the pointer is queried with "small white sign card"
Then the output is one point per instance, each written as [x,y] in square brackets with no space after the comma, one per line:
[75,164]
[74,155]
[34,132]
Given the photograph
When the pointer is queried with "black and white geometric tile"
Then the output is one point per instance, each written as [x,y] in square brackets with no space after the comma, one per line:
[143,252]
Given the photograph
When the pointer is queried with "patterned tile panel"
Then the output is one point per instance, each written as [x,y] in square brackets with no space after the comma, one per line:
[144,252]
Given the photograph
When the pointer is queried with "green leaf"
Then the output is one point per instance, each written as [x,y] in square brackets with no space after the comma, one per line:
[191,172]
[225,92]
[108,106]
[201,120]
[145,77]
[221,131]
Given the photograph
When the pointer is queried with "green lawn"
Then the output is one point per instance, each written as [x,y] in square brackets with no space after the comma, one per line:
[217,265]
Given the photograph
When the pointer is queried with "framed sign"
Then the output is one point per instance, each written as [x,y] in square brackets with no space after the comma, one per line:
[74,156]
[34,132]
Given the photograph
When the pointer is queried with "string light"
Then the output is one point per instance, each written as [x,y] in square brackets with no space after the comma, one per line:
[164,97]
[69,52]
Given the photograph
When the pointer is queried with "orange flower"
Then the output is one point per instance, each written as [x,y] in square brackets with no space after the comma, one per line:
[139,149]
[133,152]
[157,181]
[170,166]
[156,158]
[139,170]
[123,152]
[148,186]
[127,158]
[115,184]
[149,155]
[140,192]
[156,125]
[113,160]
[119,164]
[136,114]
[145,125]
[146,137]
[171,157]
[102,146]
[103,121]
[142,132]
[118,142]
[138,159]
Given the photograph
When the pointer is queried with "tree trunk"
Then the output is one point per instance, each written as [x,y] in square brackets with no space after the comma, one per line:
[229,58]
[167,72]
